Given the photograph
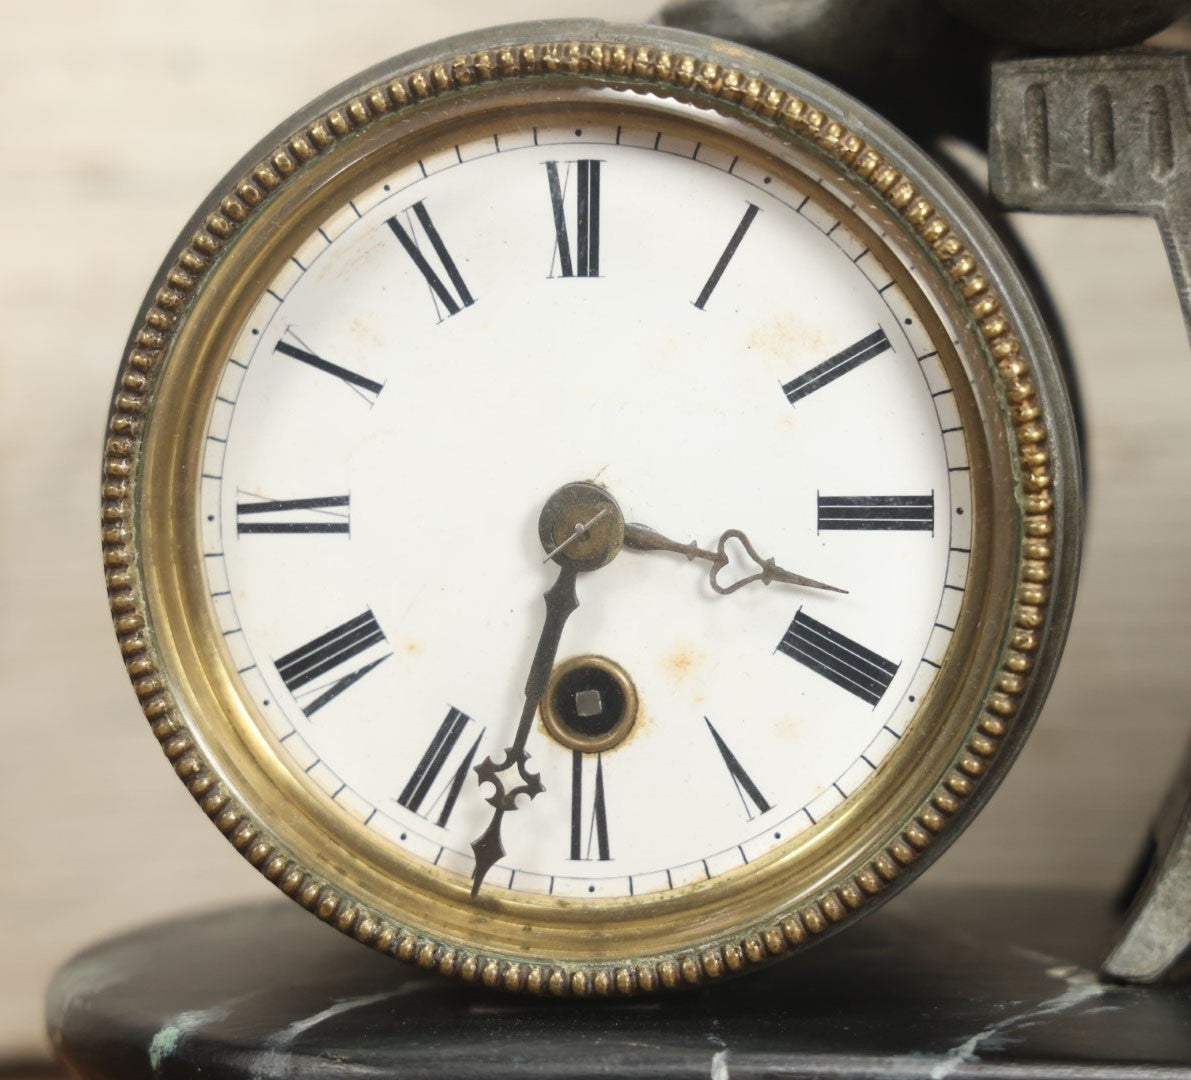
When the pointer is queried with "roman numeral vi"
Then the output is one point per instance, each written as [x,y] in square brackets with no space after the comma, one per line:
[585,836]
[745,788]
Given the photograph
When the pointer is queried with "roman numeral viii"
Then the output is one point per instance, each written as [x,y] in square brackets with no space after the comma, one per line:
[424,781]
[840,364]
[745,788]
[588,833]
[858,670]
[442,296]
[330,654]
[322,514]
[586,258]
[879,512]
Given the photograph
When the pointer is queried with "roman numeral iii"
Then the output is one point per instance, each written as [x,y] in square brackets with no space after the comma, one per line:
[330,654]
[424,780]
[877,512]
[839,659]
[747,790]
[840,364]
[584,261]
[322,514]
[443,297]
[588,833]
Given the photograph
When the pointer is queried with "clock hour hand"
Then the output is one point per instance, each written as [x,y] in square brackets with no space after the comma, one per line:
[642,538]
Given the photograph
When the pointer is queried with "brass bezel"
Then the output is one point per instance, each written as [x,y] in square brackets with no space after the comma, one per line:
[984,706]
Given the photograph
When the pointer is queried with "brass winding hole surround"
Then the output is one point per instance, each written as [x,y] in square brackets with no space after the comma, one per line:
[590,703]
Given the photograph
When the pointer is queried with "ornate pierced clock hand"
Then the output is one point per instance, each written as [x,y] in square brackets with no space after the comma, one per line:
[642,538]
[569,534]
[561,600]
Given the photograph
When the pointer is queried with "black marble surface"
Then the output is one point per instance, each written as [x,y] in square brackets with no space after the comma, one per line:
[938,984]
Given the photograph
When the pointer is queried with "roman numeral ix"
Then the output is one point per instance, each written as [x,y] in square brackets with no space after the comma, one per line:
[840,364]
[726,257]
[367,388]
[584,836]
[424,781]
[586,259]
[745,788]
[839,659]
[324,655]
[322,514]
[453,302]
[877,512]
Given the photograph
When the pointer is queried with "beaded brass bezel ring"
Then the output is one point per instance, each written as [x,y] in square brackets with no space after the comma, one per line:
[1033,474]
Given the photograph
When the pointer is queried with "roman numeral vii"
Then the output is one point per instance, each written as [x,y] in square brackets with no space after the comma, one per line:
[424,780]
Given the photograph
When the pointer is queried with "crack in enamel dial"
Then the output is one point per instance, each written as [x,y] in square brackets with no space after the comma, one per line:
[710,319]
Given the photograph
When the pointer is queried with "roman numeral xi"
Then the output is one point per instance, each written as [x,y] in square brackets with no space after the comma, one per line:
[443,297]
[584,261]
[330,654]
[839,659]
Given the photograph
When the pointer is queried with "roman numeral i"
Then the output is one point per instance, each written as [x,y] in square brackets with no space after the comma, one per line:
[837,658]
[585,261]
[330,654]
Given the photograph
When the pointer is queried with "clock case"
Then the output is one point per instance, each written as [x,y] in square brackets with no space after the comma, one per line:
[150,573]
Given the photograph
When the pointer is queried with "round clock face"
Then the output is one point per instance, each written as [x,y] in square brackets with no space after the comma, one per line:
[717,343]
[588,525]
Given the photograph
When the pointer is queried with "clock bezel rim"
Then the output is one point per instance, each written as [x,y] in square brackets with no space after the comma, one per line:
[318,898]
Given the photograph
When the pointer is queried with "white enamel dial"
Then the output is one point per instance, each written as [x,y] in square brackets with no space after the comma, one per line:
[719,343]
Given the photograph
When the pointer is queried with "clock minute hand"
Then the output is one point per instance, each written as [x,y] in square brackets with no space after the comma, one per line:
[639,537]
[561,599]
